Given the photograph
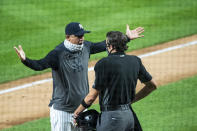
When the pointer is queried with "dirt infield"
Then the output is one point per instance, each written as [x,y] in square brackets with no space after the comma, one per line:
[32,103]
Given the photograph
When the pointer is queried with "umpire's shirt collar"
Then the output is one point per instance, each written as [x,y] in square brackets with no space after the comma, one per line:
[117,53]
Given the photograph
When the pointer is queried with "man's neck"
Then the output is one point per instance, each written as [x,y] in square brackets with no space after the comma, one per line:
[113,51]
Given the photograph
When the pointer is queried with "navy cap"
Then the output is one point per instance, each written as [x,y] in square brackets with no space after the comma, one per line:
[75,28]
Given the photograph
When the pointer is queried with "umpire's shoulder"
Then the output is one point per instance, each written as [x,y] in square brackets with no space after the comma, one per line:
[134,57]
[100,63]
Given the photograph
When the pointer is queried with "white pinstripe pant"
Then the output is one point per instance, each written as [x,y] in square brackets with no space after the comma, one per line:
[61,121]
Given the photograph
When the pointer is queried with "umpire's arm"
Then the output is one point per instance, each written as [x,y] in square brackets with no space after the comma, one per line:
[87,101]
[146,90]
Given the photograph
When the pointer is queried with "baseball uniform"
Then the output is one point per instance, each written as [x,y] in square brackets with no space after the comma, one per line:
[116,79]
[70,80]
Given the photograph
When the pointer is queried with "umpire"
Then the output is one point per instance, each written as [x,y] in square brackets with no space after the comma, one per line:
[115,82]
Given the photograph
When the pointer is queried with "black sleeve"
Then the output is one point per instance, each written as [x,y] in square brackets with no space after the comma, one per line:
[144,76]
[99,76]
[49,61]
[97,47]
[100,46]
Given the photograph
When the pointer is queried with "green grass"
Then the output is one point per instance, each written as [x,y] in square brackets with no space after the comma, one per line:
[172,107]
[36,125]
[39,25]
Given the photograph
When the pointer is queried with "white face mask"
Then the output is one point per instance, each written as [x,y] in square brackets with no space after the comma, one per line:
[72,47]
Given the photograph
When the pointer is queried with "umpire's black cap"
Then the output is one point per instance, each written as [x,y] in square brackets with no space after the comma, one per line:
[75,28]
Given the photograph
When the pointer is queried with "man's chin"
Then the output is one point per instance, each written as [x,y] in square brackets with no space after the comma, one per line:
[80,43]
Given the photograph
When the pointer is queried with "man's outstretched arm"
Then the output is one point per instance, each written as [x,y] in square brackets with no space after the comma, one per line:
[49,61]
[131,34]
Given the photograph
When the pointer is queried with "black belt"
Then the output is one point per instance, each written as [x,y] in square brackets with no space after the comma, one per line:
[113,108]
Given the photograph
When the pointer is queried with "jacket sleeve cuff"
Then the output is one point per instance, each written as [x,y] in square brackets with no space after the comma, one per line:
[128,39]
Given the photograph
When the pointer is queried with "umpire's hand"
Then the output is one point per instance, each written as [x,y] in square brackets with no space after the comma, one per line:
[20,52]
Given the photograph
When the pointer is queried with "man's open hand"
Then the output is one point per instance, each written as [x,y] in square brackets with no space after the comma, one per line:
[136,33]
[20,52]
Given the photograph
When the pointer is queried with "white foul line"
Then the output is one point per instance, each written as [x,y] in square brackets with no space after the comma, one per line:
[168,49]
[92,68]
[25,86]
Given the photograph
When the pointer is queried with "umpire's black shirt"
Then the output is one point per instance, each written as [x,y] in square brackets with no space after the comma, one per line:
[116,78]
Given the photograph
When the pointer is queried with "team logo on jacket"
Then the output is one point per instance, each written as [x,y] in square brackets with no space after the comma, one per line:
[80,26]
[73,62]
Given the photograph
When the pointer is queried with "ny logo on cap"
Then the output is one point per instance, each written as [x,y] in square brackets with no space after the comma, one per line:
[80,26]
